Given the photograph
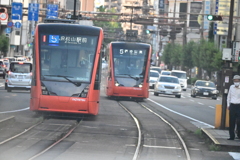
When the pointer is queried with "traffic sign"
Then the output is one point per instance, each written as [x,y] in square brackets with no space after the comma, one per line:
[3,16]
[52,11]
[18,25]
[10,24]
[33,9]
[8,30]
[16,11]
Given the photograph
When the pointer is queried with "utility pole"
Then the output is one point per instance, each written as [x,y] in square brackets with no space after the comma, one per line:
[174,16]
[202,22]
[74,8]
[227,69]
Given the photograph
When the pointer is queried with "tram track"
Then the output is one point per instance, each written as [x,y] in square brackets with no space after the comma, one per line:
[49,130]
[57,141]
[140,143]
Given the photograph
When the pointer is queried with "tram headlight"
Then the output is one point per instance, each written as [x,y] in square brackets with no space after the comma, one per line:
[85,92]
[44,90]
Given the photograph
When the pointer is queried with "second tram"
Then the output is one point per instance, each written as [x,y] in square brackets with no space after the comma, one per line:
[128,70]
[66,68]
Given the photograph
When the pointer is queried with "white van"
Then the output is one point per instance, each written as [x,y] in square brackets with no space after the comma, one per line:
[182,76]
[19,76]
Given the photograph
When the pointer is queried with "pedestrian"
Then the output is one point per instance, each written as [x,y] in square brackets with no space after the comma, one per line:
[233,105]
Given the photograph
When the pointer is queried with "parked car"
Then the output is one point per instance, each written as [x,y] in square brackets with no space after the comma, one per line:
[154,75]
[168,85]
[10,59]
[3,66]
[204,89]
[19,76]
[166,73]
[156,69]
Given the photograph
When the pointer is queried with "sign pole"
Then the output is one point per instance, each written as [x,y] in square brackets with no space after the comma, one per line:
[227,69]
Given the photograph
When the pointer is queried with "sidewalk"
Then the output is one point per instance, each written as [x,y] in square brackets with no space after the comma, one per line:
[219,137]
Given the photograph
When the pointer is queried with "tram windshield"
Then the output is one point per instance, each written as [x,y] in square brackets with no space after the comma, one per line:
[70,56]
[130,62]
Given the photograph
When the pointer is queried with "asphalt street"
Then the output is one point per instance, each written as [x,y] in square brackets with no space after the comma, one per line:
[112,134]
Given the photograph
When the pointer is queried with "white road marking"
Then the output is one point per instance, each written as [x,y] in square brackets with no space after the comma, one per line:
[200,103]
[193,119]
[191,100]
[161,147]
[19,110]
[210,106]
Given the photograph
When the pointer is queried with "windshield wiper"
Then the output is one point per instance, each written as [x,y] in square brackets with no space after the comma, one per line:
[135,78]
[67,78]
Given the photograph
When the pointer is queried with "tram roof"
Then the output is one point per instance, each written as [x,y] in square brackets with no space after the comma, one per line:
[69,28]
[132,44]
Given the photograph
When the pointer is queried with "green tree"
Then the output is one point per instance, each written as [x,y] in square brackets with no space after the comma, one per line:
[172,55]
[108,26]
[4,43]
[210,57]
[187,55]
[167,54]
[176,55]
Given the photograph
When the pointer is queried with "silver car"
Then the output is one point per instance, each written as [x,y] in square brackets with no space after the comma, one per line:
[154,75]
[19,76]
[168,85]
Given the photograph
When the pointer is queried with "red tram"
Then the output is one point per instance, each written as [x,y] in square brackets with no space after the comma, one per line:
[66,68]
[128,70]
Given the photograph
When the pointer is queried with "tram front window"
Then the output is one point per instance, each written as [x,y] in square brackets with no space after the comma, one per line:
[68,60]
[130,64]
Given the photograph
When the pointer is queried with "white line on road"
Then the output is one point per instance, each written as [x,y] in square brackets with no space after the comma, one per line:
[193,119]
[161,147]
[191,100]
[15,110]
[200,103]
[211,106]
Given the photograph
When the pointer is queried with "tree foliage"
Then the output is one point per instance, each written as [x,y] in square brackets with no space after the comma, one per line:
[4,43]
[108,26]
[210,56]
[187,55]
[202,54]
[172,55]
